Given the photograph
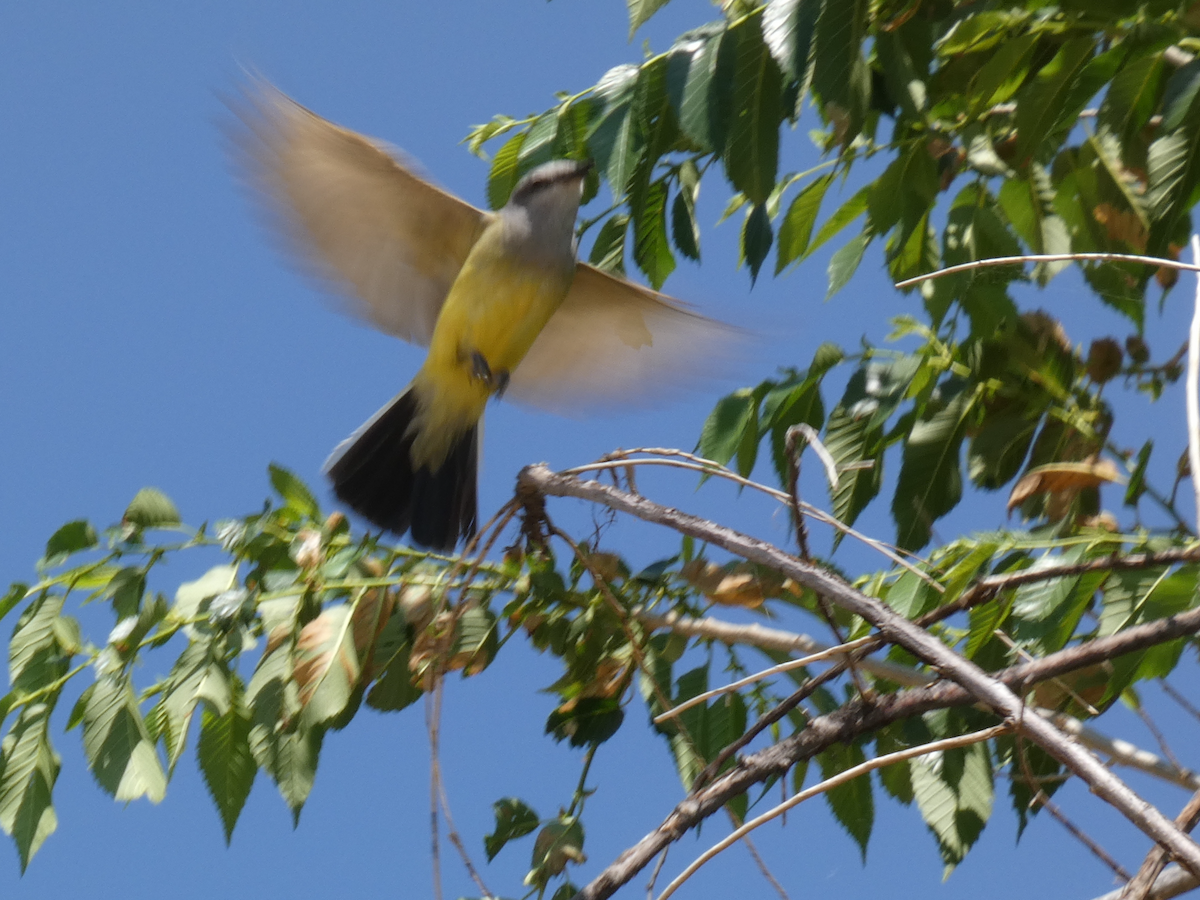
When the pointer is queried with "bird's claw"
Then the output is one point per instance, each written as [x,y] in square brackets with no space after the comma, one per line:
[480,369]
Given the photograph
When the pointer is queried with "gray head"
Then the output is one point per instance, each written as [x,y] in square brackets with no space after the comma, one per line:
[544,203]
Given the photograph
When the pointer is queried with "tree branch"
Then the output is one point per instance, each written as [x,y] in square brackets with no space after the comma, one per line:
[540,480]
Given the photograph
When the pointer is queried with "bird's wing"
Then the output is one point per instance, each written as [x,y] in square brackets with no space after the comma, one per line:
[611,341]
[392,241]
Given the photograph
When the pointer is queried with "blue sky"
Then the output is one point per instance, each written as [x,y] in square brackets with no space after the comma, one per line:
[153,336]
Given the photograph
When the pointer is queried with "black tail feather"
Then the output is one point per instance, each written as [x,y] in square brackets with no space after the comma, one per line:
[374,476]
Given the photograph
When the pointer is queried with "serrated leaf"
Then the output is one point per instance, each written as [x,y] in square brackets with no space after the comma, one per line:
[844,263]
[640,12]
[28,770]
[1137,479]
[843,216]
[608,251]
[223,752]
[851,803]
[514,819]
[327,667]
[796,228]
[297,498]
[756,239]
[726,425]
[70,538]
[930,483]
[538,146]
[611,141]
[119,749]
[955,800]
[1043,105]
[586,720]
[151,508]
[34,656]
[752,152]
[282,742]
[703,63]
[788,27]
[651,251]
[196,676]
[503,175]
[1132,96]
[841,78]
[998,449]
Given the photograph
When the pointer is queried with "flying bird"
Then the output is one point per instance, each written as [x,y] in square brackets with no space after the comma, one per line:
[498,298]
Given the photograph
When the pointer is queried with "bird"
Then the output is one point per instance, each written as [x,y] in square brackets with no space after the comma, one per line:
[499,298]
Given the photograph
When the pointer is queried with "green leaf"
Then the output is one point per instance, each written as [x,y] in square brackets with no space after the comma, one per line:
[226,762]
[1173,177]
[151,508]
[756,239]
[1137,480]
[903,83]
[904,193]
[998,449]
[197,675]
[117,744]
[514,819]
[845,214]
[841,78]
[282,742]
[851,803]
[998,79]
[71,538]
[844,263]
[586,721]
[1045,104]
[503,175]
[790,405]
[726,425]
[930,483]
[192,598]
[700,82]
[954,792]
[1133,96]
[297,498]
[640,12]
[538,146]
[752,152]
[559,842]
[608,252]
[650,248]
[28,769]
[796,228]
[612,138]
[788,27]
[327,668]
[36,656]
[395,689]
[684,229]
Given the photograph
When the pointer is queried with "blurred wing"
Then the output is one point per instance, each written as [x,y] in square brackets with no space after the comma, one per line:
[392,241]
[612,341]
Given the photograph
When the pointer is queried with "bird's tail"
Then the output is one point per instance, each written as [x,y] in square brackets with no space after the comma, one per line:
[373,473]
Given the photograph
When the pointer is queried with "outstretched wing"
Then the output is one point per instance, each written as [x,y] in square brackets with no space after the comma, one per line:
[352,211]
[612,341]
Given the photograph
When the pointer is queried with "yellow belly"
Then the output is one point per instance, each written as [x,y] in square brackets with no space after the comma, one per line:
[496,307]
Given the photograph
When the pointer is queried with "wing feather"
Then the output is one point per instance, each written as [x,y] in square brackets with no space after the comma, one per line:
[354,212]
[612,341]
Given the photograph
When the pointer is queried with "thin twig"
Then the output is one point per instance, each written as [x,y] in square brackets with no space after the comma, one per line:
[983,687]
[831,653]
[1041,798]
[432,716]
[829,784]
[1159,737]
[1049,257]
[1118,751]
[1193,387]
[1139,888]
[1179,698]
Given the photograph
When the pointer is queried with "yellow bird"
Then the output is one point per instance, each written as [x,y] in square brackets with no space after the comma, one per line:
[498,297]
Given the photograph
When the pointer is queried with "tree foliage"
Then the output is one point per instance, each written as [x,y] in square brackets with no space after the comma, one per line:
[991,130]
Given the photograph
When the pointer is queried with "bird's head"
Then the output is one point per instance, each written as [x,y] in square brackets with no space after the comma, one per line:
[548,197]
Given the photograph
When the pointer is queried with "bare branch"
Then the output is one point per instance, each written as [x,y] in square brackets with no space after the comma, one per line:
[1193,387]
[829,784]
[540,480]
[1171,883]
[1142,884]
[1049,257]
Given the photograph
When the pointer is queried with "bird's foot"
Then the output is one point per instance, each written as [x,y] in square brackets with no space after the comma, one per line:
[497,381]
